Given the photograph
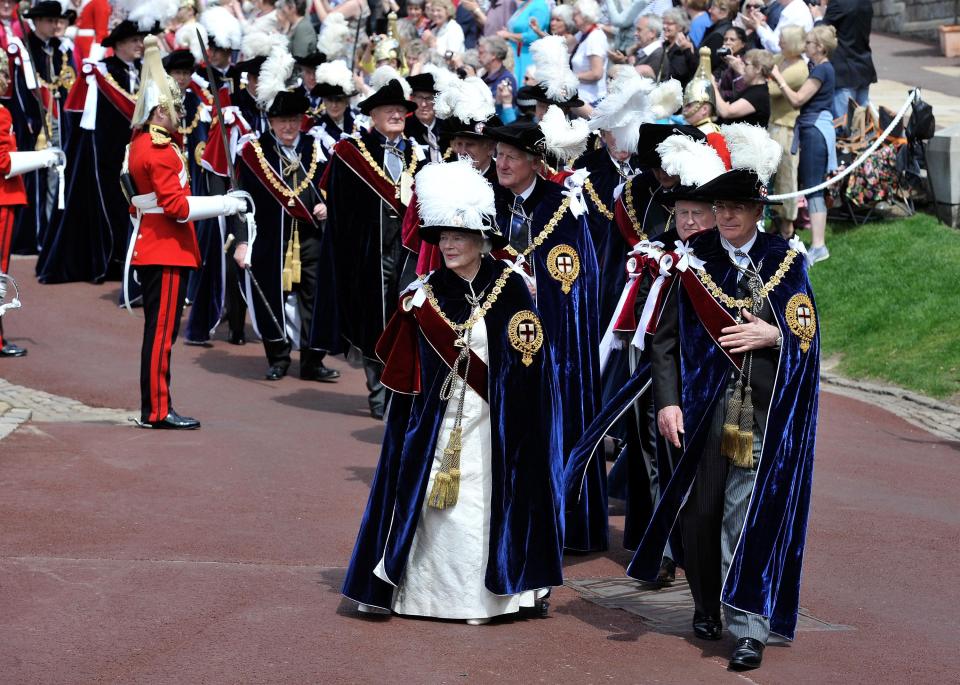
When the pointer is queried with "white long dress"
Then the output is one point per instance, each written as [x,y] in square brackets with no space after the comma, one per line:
[444,576]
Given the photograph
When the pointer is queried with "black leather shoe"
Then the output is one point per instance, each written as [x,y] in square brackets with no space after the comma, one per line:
[11,350]
[237,338]
[173,421]
[747,655]
[707,627]
[275,373]
[322,374]
[668,572]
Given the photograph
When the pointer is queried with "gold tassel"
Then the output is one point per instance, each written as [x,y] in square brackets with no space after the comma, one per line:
[731,424]
[446,485]
[295,262]
[744,452]
[288,268]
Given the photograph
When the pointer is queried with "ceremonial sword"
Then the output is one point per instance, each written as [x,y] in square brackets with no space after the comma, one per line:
[235,182]
[36,78]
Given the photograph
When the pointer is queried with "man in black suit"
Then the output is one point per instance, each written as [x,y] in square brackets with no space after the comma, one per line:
[852,59]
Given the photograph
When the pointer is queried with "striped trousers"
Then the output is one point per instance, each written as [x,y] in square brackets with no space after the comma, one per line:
[710,524]
[7,216]
[164,288]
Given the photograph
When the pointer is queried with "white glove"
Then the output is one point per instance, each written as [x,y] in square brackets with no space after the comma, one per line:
[25,162]
[207,207]
[246,202]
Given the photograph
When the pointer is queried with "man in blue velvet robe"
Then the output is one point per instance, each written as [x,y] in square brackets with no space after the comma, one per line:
[561,266]
[735,362]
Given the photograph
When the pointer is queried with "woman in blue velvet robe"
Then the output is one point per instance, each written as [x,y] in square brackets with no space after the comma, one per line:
[522,505]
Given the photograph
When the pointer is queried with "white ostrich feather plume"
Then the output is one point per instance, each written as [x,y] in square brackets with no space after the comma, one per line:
[552,62]
[384,75]
[274,74]
[454,194]
[751,147]
[565,140]
[625,107]
[442,77]
[145,14]
[222,26]
[332,40]
[261,43]
[467,100]
[336,74]
[666,99]
[693,161]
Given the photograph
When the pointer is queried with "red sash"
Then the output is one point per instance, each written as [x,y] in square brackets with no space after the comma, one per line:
[119,98]
[297,210]
[354,160]
[397,349]
[711,313]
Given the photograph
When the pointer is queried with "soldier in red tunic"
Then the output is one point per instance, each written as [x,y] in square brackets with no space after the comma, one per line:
[12,193]
[164,243]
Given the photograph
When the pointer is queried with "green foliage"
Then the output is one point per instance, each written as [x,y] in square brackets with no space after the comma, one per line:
[889,306]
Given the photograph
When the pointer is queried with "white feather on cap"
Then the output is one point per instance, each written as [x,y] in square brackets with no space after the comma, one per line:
[146,14]
[384,75]
[455,194]
[751,147]
[442,77]
[565,140]
[695,162]
[274,74]
[225,29]
[332,40]
[625,107]
[666,99]
[336,74]
[261,43]
[468,100]
[552,61]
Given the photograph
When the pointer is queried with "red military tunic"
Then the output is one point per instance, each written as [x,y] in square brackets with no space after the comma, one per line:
[12,192]
[157,167]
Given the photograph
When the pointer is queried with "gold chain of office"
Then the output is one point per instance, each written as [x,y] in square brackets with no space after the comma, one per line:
[278,184]
[376,167]
[545,233]
[478,313]
[627,196]
[734,303]
[595,198]
[65,78]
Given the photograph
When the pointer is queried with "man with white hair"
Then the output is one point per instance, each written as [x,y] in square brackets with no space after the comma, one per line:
[649,59]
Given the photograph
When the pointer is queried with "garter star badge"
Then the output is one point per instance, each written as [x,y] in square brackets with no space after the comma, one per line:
[564,266]
[526,335]
[802,319]
[198,151]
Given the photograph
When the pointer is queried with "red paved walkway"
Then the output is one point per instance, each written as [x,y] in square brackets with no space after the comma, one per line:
[216,556]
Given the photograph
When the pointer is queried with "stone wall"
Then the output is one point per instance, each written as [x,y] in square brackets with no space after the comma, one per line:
[915,18]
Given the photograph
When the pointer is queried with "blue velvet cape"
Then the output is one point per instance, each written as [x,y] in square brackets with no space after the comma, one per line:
[764,577]
[571,322]
[526,522]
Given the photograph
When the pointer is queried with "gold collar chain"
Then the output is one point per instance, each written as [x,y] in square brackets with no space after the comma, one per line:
[631,210]
[278,184]
[478,312]
[65,78]
[376,167]
[186,131]
[734,303]
[544,234]
[595,198]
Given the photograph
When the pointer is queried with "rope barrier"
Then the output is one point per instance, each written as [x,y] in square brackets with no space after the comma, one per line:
[913,97]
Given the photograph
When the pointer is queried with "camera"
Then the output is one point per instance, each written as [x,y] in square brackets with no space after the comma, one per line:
[723,52]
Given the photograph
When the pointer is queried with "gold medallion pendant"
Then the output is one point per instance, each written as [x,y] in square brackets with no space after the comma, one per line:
[564,266]
[802,319]
[526,335]
[198,151]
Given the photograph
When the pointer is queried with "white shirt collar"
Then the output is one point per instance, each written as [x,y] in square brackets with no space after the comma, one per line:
[745,249]
[652,48]
[290,150]
[526,193]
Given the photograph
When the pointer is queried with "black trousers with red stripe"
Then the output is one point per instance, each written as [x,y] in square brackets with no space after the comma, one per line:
[164,288]
[7,216]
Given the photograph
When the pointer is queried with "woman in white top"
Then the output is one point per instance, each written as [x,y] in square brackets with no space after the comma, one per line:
[589,61]
[446,35]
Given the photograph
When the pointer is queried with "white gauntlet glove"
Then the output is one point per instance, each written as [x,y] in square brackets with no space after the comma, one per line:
[207,207]
[25,162]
